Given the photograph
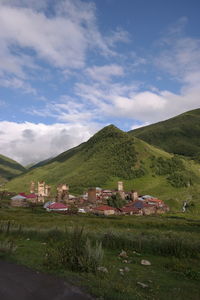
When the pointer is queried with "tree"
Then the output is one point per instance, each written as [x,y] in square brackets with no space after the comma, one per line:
[116,201]
[73,209]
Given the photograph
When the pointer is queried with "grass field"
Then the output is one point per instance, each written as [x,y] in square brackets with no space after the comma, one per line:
[170,242]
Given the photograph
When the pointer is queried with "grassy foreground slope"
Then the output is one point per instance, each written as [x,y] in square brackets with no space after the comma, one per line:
[112,155]
[179,135]
[9,168]
[170,242]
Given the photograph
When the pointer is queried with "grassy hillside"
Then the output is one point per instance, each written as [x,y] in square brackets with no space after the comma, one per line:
[110,152]
[180,135]
[112,155]
[9,169]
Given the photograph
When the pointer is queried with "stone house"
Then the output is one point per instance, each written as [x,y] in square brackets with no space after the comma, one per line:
[104,210]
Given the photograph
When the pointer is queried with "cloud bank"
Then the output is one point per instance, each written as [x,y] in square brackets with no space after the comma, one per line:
[28,142]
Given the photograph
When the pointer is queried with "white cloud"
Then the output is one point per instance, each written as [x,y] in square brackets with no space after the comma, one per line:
[17,83]
[126,102]
[139,125]
[119,35]
[60,34]
[29,142]
[105,73]
[61,39]
[180,55]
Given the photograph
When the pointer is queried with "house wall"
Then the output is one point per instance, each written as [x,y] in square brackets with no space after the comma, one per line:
[109,212]
[19,203]
[149,210]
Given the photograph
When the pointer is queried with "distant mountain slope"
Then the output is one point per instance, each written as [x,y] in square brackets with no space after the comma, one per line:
[112,155]
[180,135]
[110,152]
[9,168]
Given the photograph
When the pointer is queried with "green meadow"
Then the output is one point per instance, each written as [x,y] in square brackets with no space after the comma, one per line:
[171,244]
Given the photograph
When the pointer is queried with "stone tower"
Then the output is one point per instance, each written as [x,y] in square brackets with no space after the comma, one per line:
[41,188]
[92,195]
[120,186]
[62,193]
[134,195]
[121,189]
[47,190]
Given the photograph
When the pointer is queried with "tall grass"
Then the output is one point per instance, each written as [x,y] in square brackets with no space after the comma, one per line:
[159,244]
[74,252]
[181,245]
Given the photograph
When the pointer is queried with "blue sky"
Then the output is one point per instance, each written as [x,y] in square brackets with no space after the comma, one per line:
[70,67]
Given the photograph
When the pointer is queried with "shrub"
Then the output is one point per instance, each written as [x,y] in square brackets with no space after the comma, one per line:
[75,253]
[116,201]
[6,247]
[179,179]
[73,209]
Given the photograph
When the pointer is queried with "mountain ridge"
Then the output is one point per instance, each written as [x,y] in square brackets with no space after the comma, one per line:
[112,155]
[178,135]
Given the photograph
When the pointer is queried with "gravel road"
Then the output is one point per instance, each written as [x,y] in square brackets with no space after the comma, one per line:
[19,282]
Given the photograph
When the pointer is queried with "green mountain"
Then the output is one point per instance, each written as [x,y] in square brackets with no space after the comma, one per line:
[179,135]
[112,155]
[9,169]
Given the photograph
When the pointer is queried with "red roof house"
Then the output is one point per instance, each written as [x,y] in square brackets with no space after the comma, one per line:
[57,206]
[22,194]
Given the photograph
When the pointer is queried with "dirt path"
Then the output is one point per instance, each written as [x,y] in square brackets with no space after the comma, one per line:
[19,282]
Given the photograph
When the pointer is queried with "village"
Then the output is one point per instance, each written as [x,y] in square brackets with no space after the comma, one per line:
[96,201]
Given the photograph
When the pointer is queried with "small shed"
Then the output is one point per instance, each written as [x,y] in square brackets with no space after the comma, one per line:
[19,201]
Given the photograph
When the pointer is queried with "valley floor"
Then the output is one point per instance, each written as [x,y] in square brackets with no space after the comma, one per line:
[170,243]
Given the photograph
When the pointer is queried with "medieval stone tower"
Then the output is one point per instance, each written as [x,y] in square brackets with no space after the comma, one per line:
[43,190]
[120,186]
[47,190]
[32,187]
[134,195]
[121,189]
[92,195]
[62,193]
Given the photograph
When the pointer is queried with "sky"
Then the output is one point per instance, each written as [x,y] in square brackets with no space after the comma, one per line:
[70,67]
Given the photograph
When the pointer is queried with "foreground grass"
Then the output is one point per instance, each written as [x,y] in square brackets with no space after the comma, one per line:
[171,243]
